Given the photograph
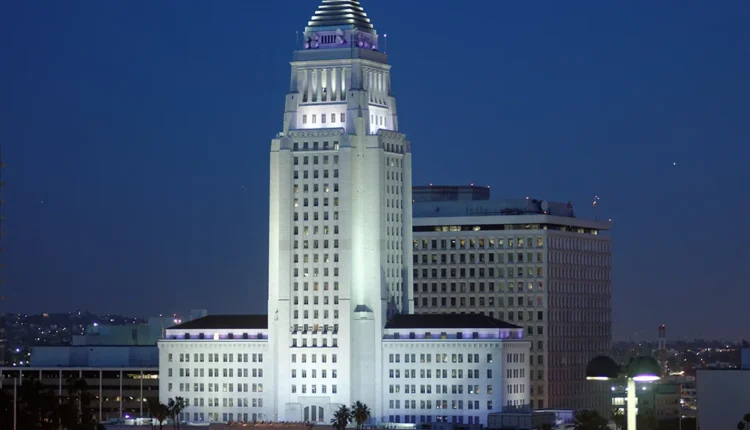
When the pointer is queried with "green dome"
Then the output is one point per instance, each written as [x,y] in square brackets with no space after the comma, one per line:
[602,368]
[644,369]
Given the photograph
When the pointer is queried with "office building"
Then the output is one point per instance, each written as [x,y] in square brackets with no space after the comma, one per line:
[531,263]
[338,329]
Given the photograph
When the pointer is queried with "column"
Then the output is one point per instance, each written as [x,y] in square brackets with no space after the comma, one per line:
[316,85]
[100,395]
[343,83]
[334,87]
[329,91]
[302,84]
[368,85]
[120,393]
[309,87]
[631,403]
[319,89]
[380,88]
[141,396]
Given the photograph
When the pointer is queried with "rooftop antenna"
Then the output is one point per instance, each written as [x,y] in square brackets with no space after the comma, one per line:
[385,43]
[296,40]
[663,355]
[2,315]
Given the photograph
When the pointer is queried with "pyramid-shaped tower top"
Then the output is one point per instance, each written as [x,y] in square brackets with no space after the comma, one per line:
[340,14]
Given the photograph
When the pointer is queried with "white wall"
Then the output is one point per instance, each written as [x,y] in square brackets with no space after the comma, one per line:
[461,356]
[259,387]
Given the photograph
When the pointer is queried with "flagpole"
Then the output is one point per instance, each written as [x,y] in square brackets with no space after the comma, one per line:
[15,413]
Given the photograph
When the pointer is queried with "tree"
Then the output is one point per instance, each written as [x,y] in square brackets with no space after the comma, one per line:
[39,408]
[77,408]
[36,406]
[76,412]
[175,408]
[153,409]
[741,425]
[341,418]
[360,413]
[6,409]
[589,420]
[161,413]
[619,419]
[746,419]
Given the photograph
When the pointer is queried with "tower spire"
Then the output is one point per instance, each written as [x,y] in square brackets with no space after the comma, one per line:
[340,14]
[338,24]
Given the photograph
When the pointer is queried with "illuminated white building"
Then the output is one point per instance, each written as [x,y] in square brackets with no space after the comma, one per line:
[340,246]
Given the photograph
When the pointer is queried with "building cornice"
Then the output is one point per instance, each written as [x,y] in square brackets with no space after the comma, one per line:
[317,132]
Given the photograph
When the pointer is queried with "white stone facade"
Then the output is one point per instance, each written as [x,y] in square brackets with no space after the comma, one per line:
[223,375]
[454,375]
[442,378]
[340,234]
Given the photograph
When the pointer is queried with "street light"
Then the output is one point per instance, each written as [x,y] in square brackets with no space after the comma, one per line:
[641,369]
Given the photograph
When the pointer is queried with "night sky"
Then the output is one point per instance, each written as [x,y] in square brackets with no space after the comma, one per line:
[136,136]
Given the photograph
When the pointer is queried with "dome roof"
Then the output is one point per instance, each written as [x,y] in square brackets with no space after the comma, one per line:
[344,14]
[644,369]
[602,368]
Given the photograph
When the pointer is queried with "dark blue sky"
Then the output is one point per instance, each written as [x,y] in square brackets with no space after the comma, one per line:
[136,138]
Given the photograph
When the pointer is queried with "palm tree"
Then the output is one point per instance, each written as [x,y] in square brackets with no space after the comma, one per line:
[341,418]
[589,420]
[174,409]
[36,406]
[360,413]
[162,412]
[153,408]
[77,394]
[77,411]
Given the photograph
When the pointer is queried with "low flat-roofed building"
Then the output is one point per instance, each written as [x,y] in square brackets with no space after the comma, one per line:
[118,392]
[121,378]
